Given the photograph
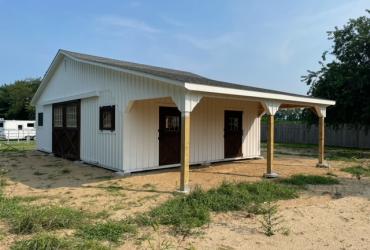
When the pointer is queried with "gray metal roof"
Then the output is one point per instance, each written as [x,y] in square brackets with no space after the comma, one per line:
[171,74]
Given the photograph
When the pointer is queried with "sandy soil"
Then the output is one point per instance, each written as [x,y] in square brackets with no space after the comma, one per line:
[316,220]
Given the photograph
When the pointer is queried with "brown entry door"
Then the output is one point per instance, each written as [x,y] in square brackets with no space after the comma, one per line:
[233,133]
[66,130]
[169,135]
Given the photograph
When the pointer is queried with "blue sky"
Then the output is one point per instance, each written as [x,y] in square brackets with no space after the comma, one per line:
[261,43]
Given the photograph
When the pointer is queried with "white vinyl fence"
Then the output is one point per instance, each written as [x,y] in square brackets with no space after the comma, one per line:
[343,136]
[15,134]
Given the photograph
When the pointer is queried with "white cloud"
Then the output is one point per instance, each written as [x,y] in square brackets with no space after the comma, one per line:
[230,40]
[129,23]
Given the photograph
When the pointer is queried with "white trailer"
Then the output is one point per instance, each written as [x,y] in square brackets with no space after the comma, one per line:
[17,130]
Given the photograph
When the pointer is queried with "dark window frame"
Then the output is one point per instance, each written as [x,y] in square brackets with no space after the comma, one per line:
[40,119]
[30,125]
[112,110]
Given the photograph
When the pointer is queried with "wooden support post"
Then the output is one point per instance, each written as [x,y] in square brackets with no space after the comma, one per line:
[185,152]
[270,148]
[321,139]
[322,162]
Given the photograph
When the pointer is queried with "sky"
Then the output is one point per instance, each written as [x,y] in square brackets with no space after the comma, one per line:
[268,44]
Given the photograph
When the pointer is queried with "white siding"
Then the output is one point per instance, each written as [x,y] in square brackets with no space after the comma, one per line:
[73,78]
[206,138]
[207,129]
[44,133]
[133,146]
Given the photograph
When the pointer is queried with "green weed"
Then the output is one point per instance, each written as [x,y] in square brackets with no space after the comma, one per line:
[302,180]
[357,171]
[185,213]
[46,241]
[112,231]
[25,219]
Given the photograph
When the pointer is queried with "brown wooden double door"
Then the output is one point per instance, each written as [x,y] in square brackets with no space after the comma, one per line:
[169,135]
[233,134]
[66,129]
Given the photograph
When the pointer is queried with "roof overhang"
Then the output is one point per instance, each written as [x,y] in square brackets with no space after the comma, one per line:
[285,99]
[297,101]
[60,56]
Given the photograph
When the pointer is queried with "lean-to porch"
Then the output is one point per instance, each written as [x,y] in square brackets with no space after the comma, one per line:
[202,130]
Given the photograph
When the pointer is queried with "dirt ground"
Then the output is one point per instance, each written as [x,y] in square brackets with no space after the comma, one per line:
[330,217]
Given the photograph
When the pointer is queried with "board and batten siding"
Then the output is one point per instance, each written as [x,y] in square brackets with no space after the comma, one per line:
[92,138]
[72,78]
[141,123]
[44,133]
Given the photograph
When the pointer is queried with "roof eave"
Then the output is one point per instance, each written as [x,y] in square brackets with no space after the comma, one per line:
[57,58]
[61,54]
[258,94]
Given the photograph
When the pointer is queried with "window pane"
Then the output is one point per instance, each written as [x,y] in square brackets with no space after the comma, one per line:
[233,124]
[71,116]
[30,125]
[20,127]
[172,123]
[107,119]
[40,120]
[58,117]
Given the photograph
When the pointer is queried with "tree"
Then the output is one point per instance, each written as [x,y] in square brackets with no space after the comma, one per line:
[15,99]
[346,78]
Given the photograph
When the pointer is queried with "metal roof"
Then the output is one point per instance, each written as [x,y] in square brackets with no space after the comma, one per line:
[171,74]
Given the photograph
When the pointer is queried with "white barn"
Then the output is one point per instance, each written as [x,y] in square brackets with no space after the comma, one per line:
[131,117]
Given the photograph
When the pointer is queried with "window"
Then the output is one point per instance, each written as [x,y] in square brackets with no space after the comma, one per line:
[1,124]
[233,124]
[40,119]
[71,116]
[172,123]
[30,125]
[107,118]
[20,127]
[58,117]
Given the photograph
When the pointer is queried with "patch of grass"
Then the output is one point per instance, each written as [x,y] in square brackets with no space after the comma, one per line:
[3,180]
[52,176]
[38,173]
[357,171]
[65,171]
[41,241]
[113,231]
[46,241]
[25,218]
[112,189]
[15,146]
[302,180]
[187,212]
[31,198]
[102,214]
[34,219]
[332,153]
[331,174]
[150,186]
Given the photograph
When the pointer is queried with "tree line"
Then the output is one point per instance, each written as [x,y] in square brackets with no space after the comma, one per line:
[15,99]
